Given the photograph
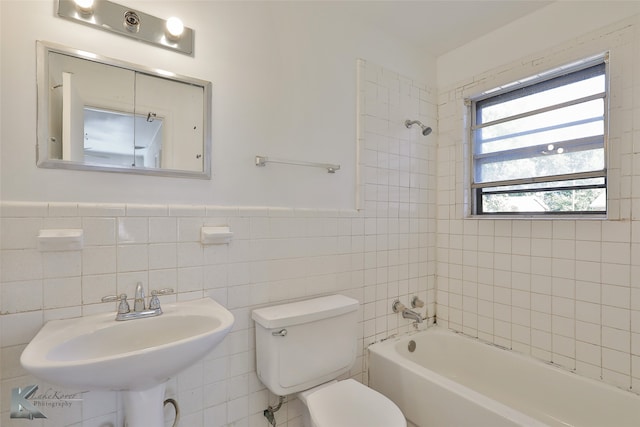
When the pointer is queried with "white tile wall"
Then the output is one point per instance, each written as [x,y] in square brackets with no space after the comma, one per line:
[382,252]
[560,290]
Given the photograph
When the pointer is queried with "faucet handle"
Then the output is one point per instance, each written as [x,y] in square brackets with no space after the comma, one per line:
[416,302]
[123,306]
[154,301]
[110,298]
[397,306]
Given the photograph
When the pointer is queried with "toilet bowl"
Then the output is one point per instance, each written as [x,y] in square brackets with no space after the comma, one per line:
[303,347]
[349,403]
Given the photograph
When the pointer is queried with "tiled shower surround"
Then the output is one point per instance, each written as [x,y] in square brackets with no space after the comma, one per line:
[383,251]
[565,291]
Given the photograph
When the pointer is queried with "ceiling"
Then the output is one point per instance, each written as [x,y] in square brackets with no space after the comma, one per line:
[439,26]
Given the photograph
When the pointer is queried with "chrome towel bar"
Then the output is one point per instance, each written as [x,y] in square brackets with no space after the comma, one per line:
[263,160]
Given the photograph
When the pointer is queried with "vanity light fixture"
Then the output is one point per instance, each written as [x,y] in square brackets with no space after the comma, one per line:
[103,14]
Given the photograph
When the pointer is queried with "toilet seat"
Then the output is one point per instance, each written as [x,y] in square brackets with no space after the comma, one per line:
[349,403]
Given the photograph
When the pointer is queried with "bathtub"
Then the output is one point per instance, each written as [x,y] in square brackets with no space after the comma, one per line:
[450,380]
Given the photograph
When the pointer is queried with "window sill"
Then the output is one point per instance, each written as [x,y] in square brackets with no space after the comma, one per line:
[602,217]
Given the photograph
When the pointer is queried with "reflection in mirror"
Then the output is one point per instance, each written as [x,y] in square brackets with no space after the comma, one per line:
[100,114]
[107,139]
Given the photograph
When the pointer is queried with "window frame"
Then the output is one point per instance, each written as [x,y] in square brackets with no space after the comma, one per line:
[509,91]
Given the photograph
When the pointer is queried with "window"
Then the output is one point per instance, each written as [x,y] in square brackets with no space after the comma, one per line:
[538,145]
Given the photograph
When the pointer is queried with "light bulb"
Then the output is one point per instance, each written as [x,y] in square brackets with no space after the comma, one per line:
[84,6]
[175,28]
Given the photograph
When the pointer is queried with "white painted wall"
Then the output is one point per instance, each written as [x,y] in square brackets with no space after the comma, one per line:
[544,29]
[284,85]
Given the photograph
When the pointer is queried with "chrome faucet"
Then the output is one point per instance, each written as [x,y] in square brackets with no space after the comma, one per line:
[138,305]
[407,313]
[139,309]
[410,314]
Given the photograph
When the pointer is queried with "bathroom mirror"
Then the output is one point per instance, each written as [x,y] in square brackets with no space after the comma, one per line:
[97,113]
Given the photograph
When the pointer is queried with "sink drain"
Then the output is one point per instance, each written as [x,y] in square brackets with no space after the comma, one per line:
[412,346]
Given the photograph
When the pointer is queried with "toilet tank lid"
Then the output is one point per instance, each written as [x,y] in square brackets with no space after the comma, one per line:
[296,313]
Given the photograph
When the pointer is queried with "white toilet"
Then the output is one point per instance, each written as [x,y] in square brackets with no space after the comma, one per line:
[303,347]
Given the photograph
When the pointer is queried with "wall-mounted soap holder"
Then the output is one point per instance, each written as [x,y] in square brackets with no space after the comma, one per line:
[215,235]
[63,239]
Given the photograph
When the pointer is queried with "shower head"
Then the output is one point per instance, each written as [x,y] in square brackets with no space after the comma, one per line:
[426,130]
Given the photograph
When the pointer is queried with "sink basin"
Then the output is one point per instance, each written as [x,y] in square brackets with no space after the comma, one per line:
[99,353]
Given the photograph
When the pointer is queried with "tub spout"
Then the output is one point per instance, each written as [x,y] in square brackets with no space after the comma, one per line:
[410,314]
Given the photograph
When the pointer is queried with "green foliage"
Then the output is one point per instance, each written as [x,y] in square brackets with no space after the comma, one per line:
[579,200]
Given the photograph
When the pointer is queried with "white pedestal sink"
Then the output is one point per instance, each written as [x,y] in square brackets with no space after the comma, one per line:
[134,356]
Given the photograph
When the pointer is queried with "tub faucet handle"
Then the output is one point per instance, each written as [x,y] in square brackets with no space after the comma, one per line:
[416,302]
[397,306]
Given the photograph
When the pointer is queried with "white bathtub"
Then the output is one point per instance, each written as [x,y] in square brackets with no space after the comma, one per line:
[454,381]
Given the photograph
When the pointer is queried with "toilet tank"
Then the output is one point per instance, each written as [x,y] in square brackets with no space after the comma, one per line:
[303,344]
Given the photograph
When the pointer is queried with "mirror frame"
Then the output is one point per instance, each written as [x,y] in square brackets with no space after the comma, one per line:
[42,145]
